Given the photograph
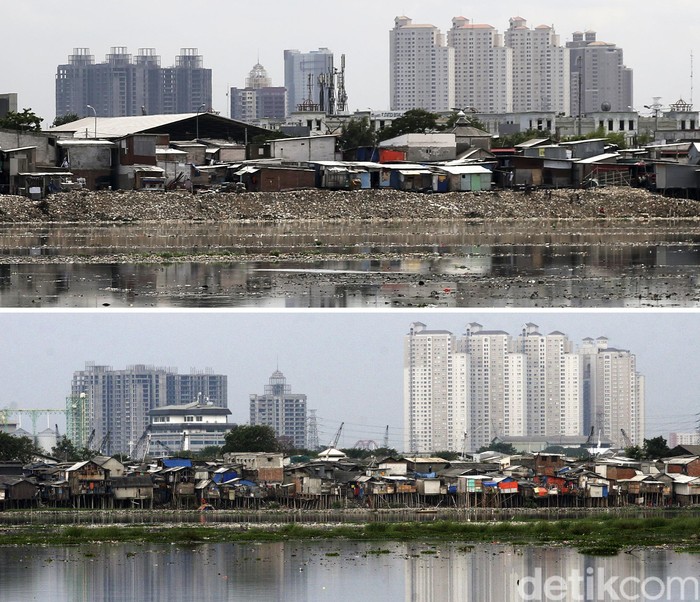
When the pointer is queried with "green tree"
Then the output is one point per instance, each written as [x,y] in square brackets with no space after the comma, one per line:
[26,120]
[450,456]
[268,135]
[360,454]
[510,140]
[415,121]
[66,451]
[634,452]
[248,438]
[356,133]
[17,449]
[498,446]
[63,119]
[210,452]
[655,448]
[616,138]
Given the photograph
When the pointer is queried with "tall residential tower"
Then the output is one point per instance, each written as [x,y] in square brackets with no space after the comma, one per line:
[463,392]
[422,68]
[281,409]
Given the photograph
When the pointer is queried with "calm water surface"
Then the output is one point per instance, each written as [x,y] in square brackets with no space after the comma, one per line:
[445,263]
[341,570]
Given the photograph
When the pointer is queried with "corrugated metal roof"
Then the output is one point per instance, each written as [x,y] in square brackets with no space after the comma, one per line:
[47,173]
[598,158]
[463,169]
[115,127]
[413,172]
[83,142]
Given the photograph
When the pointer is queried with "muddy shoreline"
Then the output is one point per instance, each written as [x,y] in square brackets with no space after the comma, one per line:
[611,247]
[85,207]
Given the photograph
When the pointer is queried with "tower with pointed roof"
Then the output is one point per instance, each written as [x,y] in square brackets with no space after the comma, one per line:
[281,409]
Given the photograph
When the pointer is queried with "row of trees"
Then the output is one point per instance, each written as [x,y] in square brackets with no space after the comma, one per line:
[358,132]
[245,438]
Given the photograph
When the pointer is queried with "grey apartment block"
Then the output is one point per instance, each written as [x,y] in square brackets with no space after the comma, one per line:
[281,409]
[125,85]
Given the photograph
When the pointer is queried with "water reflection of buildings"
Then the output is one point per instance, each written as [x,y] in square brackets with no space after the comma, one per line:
[336,570]
[526,268]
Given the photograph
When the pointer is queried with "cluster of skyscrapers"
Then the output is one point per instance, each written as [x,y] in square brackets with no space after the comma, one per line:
[462,392]
[116,403]
[125,85]
[523,69]
[118,406]
[473,66]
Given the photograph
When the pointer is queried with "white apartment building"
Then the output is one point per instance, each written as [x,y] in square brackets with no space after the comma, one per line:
[675,439]
[435,391]
[553,385]
[483,67]
[613,392]
[497,383]
[462,392]
[187,427]
[541,76]
[421,68]
[523,70]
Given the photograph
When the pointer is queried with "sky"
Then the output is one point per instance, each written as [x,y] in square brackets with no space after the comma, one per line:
[657,38]
[348,363]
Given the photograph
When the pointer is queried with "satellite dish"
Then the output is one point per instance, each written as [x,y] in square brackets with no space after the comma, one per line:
[605,107]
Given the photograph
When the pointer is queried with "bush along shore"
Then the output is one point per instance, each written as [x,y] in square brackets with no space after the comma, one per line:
[124,206]
[602,534]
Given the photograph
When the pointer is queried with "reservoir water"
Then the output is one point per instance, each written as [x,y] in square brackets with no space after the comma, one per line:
[355,264]
[342,570]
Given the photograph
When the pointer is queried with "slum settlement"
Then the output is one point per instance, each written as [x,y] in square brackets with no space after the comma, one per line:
[333,481]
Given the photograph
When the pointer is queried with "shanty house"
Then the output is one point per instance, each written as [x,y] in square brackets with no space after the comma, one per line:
[274,178]
[463,178]
[309,148]
[406,176]
[90,161]
[135,490]
[17,492]
[87,478]
[424,147]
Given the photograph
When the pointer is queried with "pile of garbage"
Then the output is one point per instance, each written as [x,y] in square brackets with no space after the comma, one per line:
[315,204]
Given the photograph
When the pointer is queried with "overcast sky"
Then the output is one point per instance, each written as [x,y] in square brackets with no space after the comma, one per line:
[349,364]
[38,35]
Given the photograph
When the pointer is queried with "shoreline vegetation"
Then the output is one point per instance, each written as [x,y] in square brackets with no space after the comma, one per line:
[592,533]
[85,207]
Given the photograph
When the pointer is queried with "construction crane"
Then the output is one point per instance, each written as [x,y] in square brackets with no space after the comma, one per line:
[91,438]
[140,450]
[104,443]
[625,438]
[334,442]
[167,448]
[590,437]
